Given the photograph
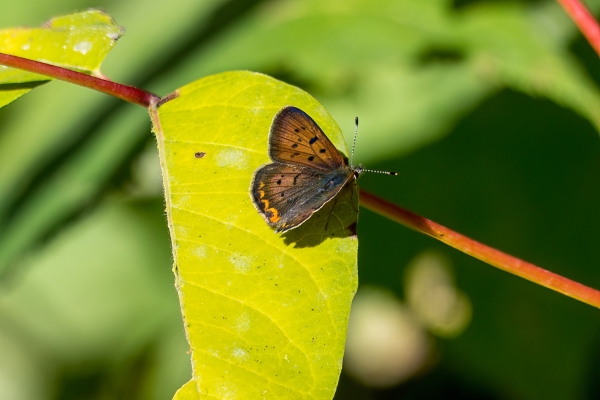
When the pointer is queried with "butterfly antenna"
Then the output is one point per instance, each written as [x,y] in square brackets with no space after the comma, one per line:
[354,142]
[380,172]
[360,166]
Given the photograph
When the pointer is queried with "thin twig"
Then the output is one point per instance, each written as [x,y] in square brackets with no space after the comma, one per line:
[585,21]
[124,92]
[480,251]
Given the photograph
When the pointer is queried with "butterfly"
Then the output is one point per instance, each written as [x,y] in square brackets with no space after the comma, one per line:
[307,171]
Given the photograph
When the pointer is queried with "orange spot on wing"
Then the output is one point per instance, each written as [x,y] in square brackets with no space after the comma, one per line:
[275,217]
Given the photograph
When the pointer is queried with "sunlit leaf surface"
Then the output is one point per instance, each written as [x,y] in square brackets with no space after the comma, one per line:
[265,314]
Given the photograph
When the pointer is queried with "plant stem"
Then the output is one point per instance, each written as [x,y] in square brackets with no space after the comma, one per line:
[480,251]
[395,213]
[123,92]
[585,21]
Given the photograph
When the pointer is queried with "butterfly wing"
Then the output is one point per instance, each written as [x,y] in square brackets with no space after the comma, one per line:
[287,195]
[295,138]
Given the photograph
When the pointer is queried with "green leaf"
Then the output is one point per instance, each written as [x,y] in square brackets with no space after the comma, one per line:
[521,51]
[78,41]
[265,314]
[187,392]
[413,67]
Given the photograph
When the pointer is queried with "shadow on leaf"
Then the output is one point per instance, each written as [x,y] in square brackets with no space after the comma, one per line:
[337,219]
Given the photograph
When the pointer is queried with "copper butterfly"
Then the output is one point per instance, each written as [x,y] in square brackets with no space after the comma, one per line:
[307,171]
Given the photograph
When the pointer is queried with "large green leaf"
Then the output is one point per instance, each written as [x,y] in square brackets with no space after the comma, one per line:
[188,391]
[265,314]
[78,41]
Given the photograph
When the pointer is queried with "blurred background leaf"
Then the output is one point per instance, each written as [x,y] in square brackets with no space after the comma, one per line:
[487,109]
[78,41]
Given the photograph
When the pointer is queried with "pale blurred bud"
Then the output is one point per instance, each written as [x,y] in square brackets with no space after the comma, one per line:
[386,344]
[433,297]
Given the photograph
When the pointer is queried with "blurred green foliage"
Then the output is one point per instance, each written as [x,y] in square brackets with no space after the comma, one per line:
[487,109]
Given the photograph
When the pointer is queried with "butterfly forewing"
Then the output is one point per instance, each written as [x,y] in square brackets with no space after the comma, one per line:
[287,195]
[296,139]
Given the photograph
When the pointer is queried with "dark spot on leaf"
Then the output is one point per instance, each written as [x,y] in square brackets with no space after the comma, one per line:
[199,154]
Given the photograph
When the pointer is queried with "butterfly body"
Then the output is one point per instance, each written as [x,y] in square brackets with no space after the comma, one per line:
[307,171]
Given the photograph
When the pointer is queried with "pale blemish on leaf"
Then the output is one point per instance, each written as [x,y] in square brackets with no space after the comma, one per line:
[83,47]
[240,262]
[200,252]
[182,202]
[345,246]
[232,158]
[239,354]
[226,393]
[243,323]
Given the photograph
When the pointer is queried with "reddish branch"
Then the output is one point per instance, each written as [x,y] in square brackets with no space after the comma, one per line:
[124,92]
[480,251]
[584,20]
[396,213]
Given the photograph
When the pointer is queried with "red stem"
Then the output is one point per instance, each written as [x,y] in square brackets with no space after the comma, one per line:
[585,21]
[396,213]
[480,251]
[124,92]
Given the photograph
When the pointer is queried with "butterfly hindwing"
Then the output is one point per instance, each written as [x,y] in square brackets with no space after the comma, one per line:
[287,195]
[295,138]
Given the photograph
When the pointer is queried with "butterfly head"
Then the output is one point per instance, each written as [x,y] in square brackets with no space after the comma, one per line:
[357,170]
